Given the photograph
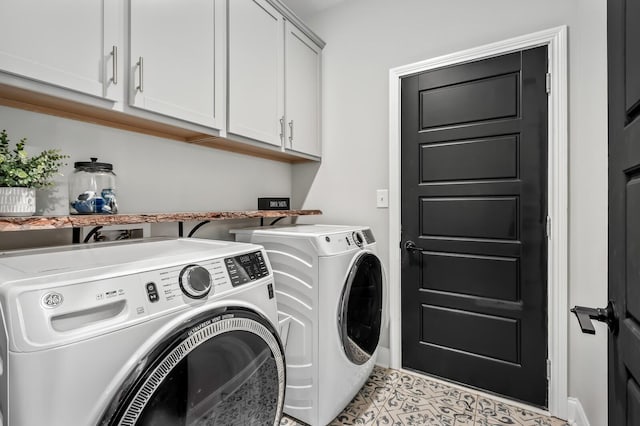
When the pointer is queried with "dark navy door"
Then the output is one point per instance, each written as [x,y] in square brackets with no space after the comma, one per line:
[474,209]
[624,209]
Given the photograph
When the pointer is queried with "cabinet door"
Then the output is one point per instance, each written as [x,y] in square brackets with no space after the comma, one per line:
[173,58]
[302,72]
[67,44]
[256,92]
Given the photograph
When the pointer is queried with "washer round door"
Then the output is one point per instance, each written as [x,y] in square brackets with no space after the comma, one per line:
[360,313]
[224,367]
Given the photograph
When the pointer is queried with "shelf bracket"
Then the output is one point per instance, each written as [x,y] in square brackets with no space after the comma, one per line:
[75,239]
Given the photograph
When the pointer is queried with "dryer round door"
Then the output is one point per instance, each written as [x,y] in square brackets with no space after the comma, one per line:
[224,367]
[360,311]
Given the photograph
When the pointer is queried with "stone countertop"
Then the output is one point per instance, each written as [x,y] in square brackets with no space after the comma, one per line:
[73,221]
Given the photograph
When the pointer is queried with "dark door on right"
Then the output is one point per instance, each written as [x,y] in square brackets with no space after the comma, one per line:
[474,208]
[624,209]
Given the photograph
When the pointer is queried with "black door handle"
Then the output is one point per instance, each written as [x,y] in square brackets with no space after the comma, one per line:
[411,246]
[606,314]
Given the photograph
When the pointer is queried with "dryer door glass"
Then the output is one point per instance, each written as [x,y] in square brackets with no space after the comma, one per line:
[225,370]
[360,316]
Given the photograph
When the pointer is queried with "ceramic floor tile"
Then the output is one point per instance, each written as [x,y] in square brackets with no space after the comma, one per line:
[495,413]
[288,421]
[384,375]
[394,398]
[375,394]
[412,385]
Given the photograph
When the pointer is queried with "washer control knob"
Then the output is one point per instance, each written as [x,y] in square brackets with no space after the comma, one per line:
[195,281]
[357,238]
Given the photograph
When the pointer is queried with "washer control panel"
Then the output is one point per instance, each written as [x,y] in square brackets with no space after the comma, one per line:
[246,268]
[111,296]
[195,281]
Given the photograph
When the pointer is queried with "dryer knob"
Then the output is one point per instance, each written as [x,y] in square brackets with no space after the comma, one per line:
[357,238]
[195,281]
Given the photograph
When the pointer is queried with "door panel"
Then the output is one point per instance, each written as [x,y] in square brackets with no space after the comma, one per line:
[461,332]
[486,99]
[478,70]
[485,217]
[474,200]
[624,204]
[464,160]
[484,276]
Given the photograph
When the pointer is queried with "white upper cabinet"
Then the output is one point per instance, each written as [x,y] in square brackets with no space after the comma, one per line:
[197,70]
[302,88]
[176,59]
[74,45]
[255,71]
[274,79]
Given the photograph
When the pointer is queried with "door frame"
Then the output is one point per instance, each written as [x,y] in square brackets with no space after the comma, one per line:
[557,192]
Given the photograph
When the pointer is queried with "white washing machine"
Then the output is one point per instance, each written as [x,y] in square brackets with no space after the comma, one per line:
[163,333]
[329,280]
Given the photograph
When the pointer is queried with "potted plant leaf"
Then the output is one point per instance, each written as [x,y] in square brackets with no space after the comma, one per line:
[21,175]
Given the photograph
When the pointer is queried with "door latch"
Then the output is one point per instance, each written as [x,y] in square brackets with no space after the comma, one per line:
[606,314]
[412,247]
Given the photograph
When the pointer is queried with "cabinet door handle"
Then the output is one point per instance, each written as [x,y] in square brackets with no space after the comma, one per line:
[140,74]
[291,132]
[114,64]
[282,129]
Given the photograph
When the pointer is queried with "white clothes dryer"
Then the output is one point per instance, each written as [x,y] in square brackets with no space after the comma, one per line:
[163,333]
[330,281]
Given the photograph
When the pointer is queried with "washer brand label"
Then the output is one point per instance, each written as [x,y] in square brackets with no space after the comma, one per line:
[52,299]
[199,327]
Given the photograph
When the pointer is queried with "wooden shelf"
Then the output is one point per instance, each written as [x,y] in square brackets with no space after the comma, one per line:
[75,221]
[20,98]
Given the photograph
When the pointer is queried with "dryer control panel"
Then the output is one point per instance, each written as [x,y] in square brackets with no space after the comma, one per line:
[339,242]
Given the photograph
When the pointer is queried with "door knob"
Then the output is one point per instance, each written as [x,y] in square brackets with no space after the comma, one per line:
[411,246]
[606,314]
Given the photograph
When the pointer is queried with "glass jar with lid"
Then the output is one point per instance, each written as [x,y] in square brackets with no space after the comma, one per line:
[92,188]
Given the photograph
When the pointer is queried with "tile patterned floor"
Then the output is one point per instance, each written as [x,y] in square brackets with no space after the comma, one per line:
[394,398]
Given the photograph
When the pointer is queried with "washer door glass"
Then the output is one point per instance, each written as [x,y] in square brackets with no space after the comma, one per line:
[225,370]
[360,316]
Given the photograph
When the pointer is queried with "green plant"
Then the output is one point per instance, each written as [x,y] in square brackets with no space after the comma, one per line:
[17,169]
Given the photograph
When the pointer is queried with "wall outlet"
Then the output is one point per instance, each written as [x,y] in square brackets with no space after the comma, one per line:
[382,198]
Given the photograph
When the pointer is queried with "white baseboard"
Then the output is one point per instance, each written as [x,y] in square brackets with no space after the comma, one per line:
[383,357]
[577,416]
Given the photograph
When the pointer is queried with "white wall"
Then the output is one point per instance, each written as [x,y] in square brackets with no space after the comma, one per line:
[153,174]
[365,38]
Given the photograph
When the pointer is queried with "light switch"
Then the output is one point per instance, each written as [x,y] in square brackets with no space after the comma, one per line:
[382,198]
